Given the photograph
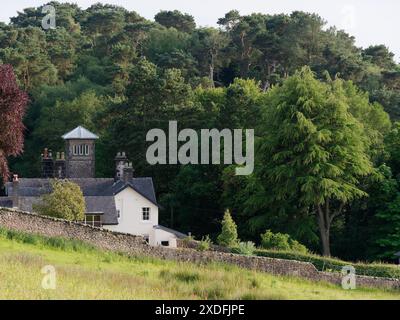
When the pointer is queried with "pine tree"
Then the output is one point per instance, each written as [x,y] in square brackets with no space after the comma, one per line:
[228,236]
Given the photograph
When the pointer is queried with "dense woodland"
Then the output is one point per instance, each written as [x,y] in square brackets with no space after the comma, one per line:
[324,113]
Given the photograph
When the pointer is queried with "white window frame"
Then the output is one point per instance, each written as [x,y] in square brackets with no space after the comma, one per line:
[81,150]
[145,213]
[92,223]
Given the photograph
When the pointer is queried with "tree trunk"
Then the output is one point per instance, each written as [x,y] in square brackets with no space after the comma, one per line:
[325,241]
[324,222]
[211,76]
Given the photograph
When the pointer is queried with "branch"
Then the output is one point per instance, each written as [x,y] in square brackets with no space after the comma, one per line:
[338,212]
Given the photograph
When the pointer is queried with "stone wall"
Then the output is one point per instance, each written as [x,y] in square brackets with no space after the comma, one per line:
[136,245]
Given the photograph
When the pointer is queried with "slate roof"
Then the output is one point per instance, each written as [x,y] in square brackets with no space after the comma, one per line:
[79,133]
[6,202]
[98,192]
[178,234]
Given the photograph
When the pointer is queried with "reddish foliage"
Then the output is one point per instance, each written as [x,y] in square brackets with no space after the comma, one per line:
[13,102]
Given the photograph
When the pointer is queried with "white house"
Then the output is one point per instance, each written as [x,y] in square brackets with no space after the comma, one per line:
[124,203]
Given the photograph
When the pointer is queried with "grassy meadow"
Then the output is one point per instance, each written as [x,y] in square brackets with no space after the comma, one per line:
[84,272]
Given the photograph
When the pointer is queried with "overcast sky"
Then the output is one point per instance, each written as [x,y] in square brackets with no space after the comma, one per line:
[370,21]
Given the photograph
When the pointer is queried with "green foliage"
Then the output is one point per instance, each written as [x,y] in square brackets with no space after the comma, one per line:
[176,19]
[324,263]
[120,75]
[228,236]
[50,242]
[312,149]
[204,244]
[245,248]
[65,201]
[280,241]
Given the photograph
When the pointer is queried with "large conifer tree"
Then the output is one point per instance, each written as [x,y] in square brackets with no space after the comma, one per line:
[313,148]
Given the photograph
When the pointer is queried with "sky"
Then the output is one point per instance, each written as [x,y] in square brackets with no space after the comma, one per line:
[370,21]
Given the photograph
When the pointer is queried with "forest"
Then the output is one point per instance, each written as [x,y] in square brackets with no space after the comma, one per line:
[324,113]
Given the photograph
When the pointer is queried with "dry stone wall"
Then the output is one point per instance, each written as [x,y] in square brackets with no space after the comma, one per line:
[136,245]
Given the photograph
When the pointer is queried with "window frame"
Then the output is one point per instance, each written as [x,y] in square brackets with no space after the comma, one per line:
[93,222]
[146,214]
[81,150]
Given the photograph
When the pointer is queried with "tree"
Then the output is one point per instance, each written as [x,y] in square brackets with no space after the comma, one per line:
[312,148]
[228,236]
[13,103]
[176,19]
[207,46]
[381,56]
[66,201]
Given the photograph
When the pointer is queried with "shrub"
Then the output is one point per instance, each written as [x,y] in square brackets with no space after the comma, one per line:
[297,246]
[66,201]
[228,236]
[281,241]
[246,248]
[204,244]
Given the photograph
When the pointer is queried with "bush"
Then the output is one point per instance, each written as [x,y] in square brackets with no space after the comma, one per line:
[204,244]
[297,246]
[281,241]
[228,236]
[246,248]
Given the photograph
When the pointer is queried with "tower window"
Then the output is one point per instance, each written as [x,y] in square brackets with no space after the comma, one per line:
[81,150]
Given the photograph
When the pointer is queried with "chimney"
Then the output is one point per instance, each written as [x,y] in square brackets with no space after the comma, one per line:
[120,162]
[60,166]
[47,164]
[15,191]
[128,173]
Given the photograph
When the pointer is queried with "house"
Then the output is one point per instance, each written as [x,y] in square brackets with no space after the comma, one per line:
[124,203]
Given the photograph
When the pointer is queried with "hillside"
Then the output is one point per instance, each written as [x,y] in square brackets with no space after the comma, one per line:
[87,273]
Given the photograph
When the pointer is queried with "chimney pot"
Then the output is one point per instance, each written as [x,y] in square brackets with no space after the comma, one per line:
[15,191]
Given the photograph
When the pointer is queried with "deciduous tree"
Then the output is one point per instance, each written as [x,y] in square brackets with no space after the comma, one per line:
[13,103]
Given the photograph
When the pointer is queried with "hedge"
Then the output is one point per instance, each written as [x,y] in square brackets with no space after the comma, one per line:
[381,270]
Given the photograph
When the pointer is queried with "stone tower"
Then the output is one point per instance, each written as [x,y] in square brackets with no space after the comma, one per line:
[80,153]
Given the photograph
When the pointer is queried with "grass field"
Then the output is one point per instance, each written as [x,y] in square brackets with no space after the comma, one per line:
[87,273]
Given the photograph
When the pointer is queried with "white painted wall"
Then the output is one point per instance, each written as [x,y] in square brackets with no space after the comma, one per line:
[130,204]
[160,235]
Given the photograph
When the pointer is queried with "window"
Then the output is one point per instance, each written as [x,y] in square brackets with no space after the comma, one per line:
[146,214]
[120,205]
[93,220]
[81,150]
[165,243]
